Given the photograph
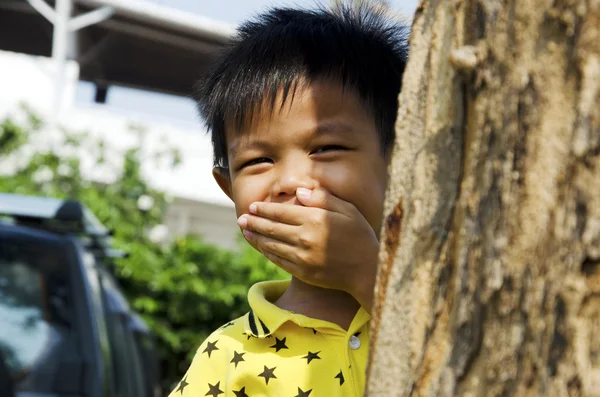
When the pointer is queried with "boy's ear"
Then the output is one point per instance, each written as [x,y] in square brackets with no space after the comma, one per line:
[221,175]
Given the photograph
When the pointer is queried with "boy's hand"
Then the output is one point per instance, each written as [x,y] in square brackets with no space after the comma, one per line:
[327,242]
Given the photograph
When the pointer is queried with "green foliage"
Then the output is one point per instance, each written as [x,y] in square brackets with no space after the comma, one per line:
[184,289]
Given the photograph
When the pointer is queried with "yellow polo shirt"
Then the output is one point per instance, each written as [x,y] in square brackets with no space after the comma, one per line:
[277,353]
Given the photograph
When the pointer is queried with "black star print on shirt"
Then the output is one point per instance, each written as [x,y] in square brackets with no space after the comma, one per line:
[279,344]
[182,385]
[237,358]
[211,346]
[340,376]
[303,393]
[268,374]
[311,356]
[214,390]
[241,392]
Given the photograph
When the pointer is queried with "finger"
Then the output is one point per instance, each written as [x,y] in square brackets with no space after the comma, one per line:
[272,245]
[287,265]
[270,228]
[286,213]
[320,198]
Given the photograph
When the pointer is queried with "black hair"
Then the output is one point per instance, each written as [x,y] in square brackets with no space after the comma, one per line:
[361,47]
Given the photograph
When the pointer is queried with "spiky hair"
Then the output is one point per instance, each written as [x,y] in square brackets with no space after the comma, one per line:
[360,47]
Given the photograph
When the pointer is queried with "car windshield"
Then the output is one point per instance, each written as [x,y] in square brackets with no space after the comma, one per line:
[35,310]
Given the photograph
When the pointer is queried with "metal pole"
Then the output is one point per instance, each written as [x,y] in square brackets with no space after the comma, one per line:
[60,42]
[91,18]
[43,8]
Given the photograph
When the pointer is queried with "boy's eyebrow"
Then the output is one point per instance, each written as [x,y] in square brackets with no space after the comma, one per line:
[333,127]
[245,145]
[324,128]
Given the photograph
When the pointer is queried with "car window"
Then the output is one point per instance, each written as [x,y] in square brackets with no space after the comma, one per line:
[25,331]
[35,312]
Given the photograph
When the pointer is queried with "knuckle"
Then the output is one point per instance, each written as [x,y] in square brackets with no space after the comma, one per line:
[304,258]
[278,213]
[269,256]
[315,218]
[305,240]
[324,200]
[256,239]
[301,257]
[270,245]
[301,274]
[270,230]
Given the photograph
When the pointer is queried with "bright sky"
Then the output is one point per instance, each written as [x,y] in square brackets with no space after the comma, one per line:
[236,11]
[152,106]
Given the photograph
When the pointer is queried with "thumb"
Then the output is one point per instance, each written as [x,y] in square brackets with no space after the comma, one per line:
[320,198]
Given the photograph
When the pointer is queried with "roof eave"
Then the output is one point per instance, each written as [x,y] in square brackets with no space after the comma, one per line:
[169,18]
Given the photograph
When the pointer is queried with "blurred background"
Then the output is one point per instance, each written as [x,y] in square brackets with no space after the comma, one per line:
[111,294]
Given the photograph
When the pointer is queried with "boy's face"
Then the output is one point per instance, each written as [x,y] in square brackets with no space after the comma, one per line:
[322,138]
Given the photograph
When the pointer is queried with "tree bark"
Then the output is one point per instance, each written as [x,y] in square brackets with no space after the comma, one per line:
[489,278]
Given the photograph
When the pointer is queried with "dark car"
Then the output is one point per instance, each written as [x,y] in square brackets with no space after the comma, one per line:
[65,327]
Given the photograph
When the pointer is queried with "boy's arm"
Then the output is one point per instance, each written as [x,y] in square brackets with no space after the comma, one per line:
[327,242]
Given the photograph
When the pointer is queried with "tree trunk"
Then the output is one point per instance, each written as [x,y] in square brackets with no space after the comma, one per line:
[489,280]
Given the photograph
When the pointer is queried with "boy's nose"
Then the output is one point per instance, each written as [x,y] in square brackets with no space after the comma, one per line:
[290,177]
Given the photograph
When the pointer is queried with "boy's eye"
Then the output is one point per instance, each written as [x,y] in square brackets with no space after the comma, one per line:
[328,148]
[255,161]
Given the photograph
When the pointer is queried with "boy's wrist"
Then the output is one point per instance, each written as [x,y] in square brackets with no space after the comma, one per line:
[363,284]
[364,293]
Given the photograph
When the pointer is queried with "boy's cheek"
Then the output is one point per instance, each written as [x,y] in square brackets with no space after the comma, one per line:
[245,192]
[241,205]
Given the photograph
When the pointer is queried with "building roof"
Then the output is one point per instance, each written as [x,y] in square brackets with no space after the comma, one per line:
[143,45]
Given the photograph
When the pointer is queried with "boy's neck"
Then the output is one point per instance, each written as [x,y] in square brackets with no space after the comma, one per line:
[331,305]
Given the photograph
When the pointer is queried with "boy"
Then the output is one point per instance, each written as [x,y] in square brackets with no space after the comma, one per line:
[302,110]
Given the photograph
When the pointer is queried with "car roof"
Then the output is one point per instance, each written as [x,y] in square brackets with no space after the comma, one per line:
[45,208]
[29,206]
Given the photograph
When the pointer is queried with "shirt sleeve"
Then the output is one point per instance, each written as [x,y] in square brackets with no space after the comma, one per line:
[207,373]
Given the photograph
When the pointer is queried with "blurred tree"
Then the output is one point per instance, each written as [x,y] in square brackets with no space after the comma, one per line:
[185,288]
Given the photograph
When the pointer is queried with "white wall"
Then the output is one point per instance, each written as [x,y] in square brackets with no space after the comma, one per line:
[215,223]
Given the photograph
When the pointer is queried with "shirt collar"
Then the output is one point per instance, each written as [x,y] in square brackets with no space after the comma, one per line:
[265,318]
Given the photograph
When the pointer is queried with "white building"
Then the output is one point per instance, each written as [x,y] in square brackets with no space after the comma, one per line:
[44,54]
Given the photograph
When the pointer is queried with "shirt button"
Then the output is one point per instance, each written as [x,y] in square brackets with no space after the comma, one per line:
[354,342]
